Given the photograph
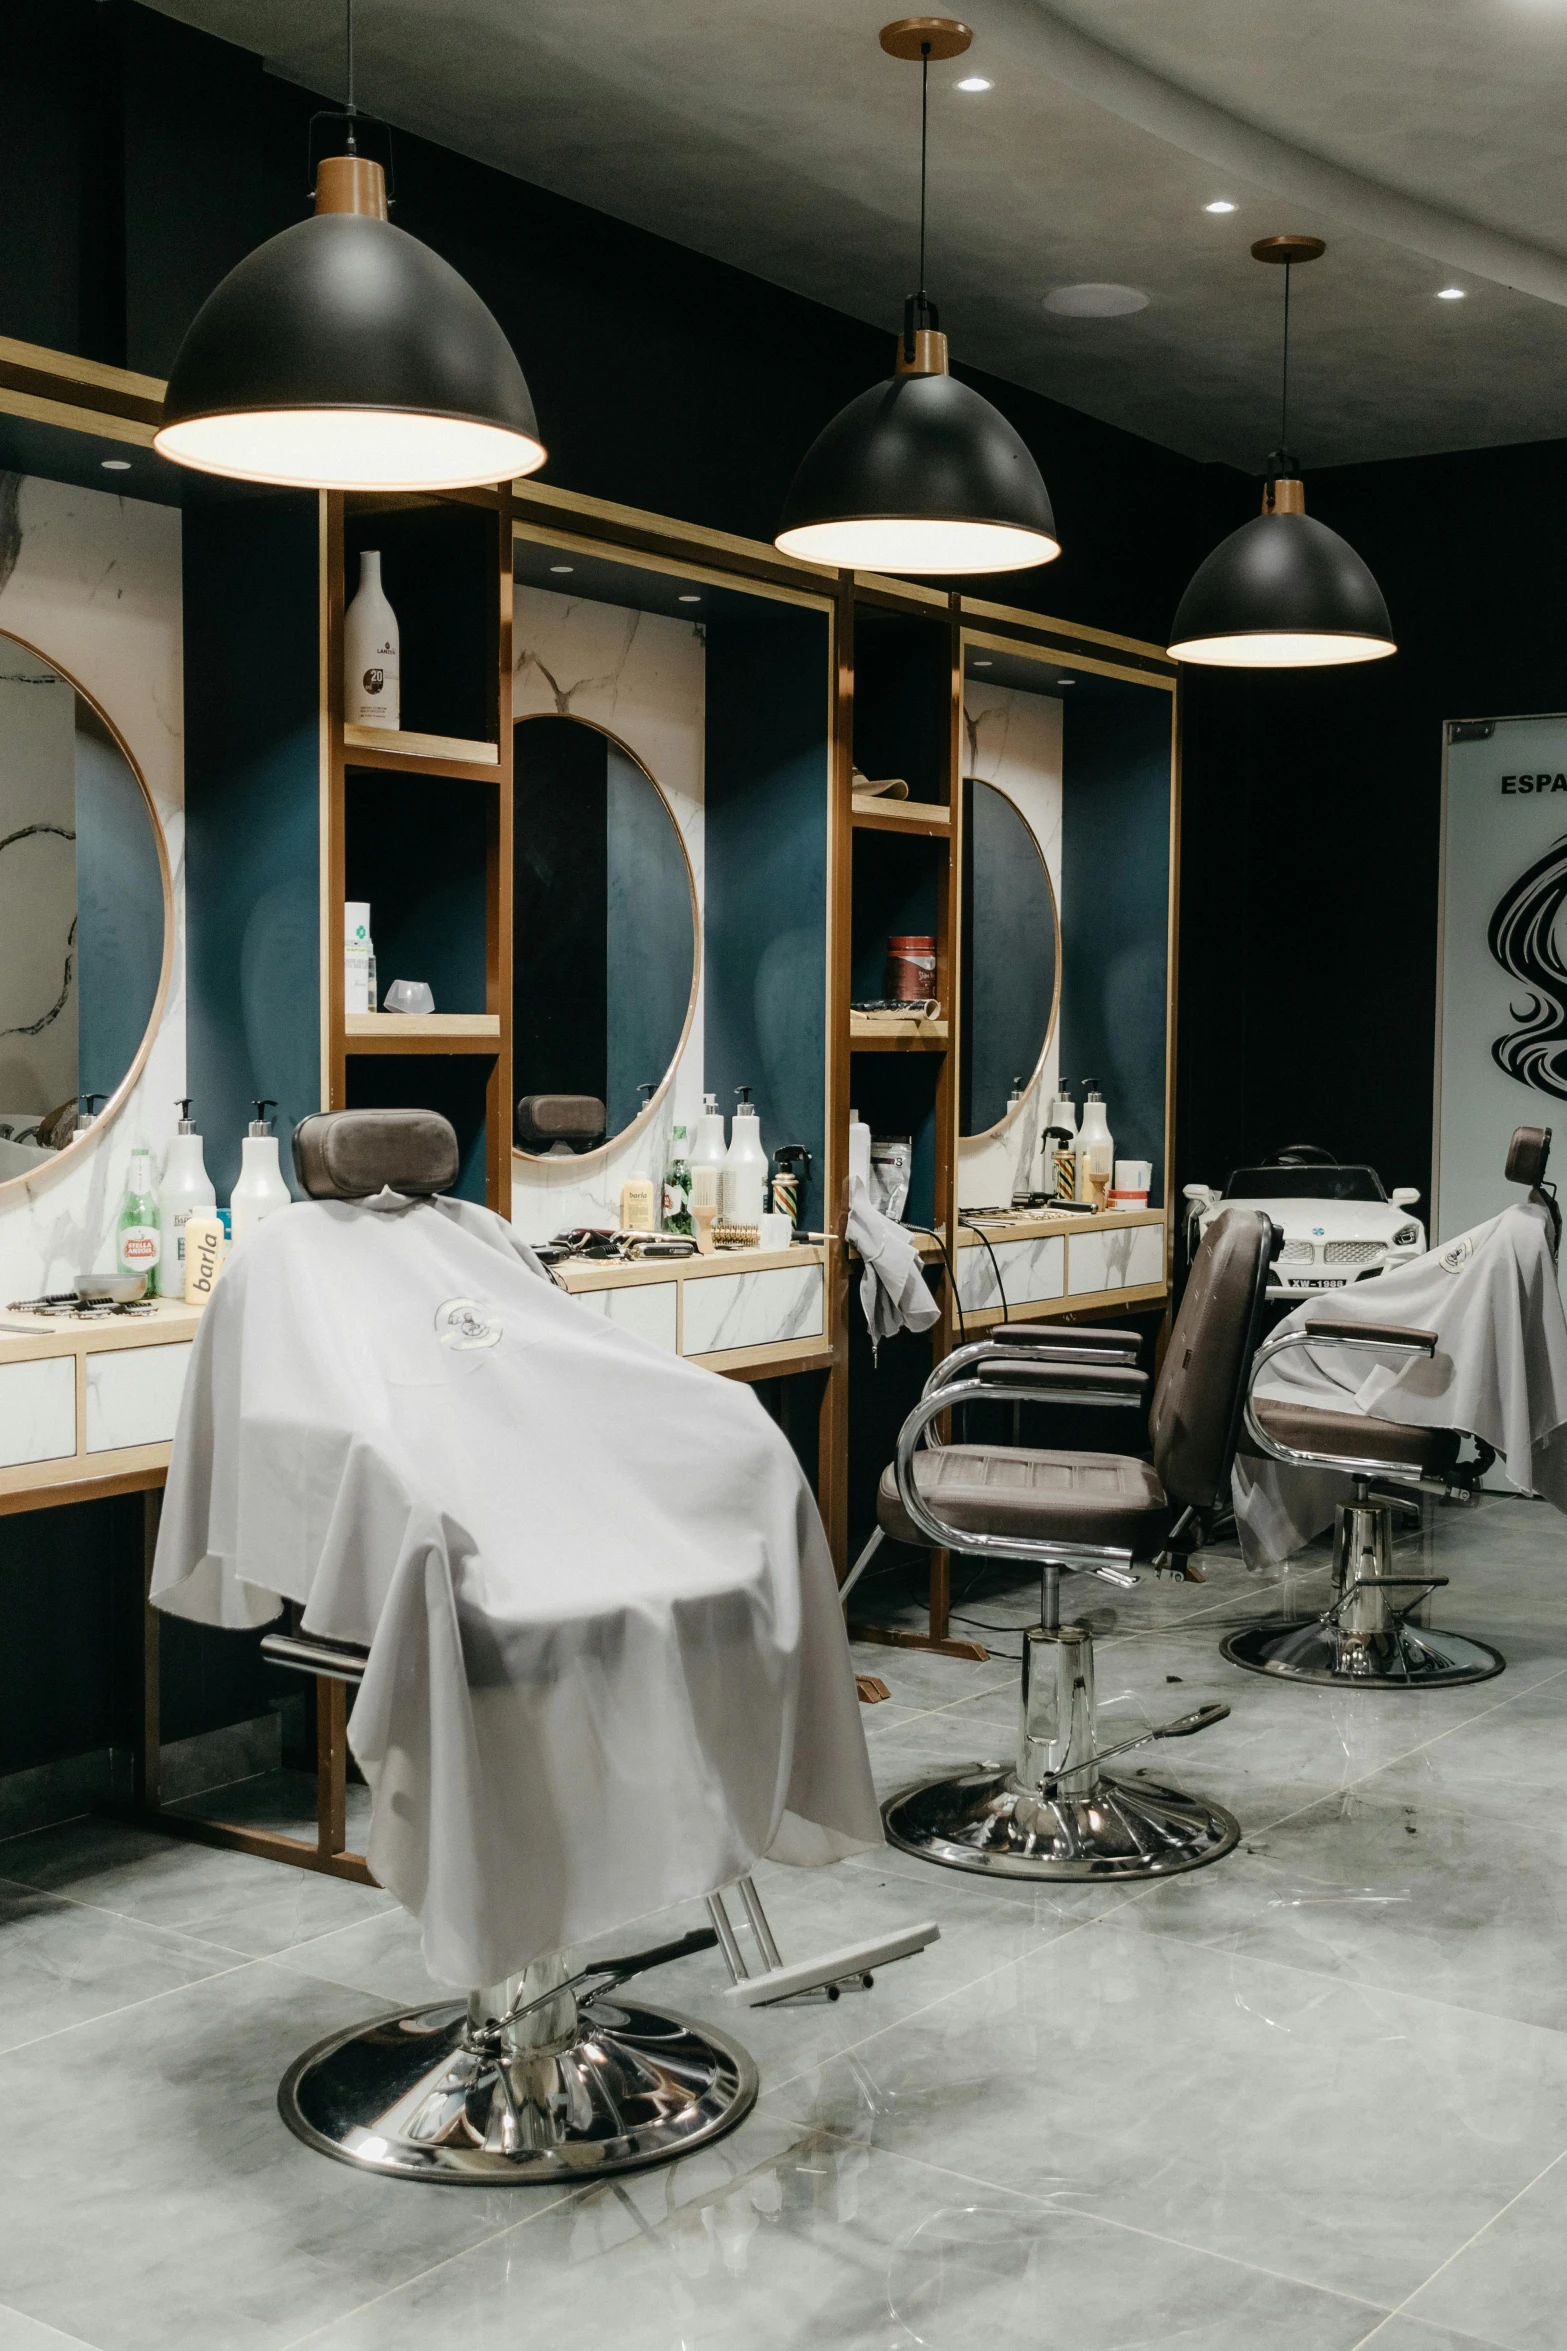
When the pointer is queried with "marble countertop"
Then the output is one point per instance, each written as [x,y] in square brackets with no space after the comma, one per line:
[613,1274]
[26,1337]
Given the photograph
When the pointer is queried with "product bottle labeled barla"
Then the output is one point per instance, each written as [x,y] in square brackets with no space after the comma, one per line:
[139,1243]
[372,653]
[187,1191]
[358,958]
[677,1185]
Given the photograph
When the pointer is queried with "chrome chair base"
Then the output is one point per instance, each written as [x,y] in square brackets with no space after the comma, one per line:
[407,2098]
[982,1818]
[1395,1656]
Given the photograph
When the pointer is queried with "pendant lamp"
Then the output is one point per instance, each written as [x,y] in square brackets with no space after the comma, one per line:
[920,474]
[1282,592]
[345,355]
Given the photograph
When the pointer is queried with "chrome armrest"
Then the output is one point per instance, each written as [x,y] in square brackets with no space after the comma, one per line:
[1056,1384]
[334,1661]
[1060,1350]
[1364,1338]
[1100,1342]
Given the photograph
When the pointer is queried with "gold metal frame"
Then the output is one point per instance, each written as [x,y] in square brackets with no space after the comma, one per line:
[83,1143]
[601,1151]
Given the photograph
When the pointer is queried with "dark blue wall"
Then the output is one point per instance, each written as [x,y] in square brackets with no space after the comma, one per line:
[119,911]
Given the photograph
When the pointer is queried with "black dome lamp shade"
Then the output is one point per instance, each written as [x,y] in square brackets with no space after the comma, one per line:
[1282,592]
[920,474]
[345,355]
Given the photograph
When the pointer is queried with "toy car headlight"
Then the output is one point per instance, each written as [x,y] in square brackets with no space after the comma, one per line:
[1406,1236]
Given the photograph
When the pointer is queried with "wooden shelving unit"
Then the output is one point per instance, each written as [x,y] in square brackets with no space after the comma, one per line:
[885,1032]
[392,743]
[898,816]
[422,1032]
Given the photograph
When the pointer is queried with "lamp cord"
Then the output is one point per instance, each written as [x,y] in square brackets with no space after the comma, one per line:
[348,17]
[924,143]
[1284,396]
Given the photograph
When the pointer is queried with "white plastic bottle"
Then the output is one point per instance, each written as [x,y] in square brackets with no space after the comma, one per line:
[1095,1150]
[742,1186]
[359,986]
[261,1191]
[859,1151]
[372,653]
[187,1192]
[707,1154]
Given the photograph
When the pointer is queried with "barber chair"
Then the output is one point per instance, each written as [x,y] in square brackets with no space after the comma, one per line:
[1372,1634]
[1054,1812]
[551,2075]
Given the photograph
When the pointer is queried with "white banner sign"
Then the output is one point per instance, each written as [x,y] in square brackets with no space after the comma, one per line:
[1501,1044]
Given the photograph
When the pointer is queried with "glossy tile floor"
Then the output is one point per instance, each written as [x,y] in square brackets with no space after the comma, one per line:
[1310,2098]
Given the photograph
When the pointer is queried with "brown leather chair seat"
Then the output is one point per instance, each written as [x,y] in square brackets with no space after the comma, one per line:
[1054,1497]
[1309,1430]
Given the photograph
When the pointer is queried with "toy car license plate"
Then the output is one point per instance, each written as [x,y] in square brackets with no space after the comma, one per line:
[1322,1281]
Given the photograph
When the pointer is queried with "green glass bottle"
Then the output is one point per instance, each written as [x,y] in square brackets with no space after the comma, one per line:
[139,1245]
[677,1185]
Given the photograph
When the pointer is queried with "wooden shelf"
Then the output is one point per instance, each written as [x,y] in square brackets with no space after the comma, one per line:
[390,747]
[874,814]
[891,1032]
[422,1032]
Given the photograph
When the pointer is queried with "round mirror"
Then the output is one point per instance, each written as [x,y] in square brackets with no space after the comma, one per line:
[1011,957]
[86,912]
[605,937]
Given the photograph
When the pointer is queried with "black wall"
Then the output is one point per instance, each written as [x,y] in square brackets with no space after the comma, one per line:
[1312,810]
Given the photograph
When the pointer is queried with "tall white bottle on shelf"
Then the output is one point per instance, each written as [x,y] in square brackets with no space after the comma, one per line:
[1095,1151]
[372,653]
[742,1185]
[260,1191]
[187,1191]
[707,1154]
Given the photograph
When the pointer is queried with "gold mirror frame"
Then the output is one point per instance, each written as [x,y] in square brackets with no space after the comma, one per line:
[988,1134]
[83,1142]
[643,1119]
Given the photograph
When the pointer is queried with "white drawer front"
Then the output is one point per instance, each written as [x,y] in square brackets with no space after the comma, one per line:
[37,1411]
[752,1309]
[647,1308]
[1127,1257]
[1030,1272]
[133,1395]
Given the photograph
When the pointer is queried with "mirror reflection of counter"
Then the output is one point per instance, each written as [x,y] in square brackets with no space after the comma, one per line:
[727,1312]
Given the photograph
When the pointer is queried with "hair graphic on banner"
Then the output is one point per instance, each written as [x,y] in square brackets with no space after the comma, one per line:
[1522,937]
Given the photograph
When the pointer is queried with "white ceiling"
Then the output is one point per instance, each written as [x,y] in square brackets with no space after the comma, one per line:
[1422,138]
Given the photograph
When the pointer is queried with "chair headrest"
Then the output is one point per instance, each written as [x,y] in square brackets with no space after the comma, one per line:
[560,1118]
[348,1154]
[1527,1154]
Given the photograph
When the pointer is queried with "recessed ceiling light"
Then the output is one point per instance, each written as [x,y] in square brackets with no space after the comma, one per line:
[563,567]
[1095,301]
[1219,204]
[115,464]
[690,599]
[1451,293]
[978,664]
[974,81]
[1066,681]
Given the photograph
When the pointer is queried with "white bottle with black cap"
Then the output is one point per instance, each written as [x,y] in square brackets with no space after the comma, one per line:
[261,1191]
[186,1192]
[742,1186]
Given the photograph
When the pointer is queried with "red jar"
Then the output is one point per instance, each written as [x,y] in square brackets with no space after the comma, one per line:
[911,966]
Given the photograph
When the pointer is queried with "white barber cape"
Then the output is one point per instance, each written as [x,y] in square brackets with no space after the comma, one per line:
[1499,1372]
[607,1668]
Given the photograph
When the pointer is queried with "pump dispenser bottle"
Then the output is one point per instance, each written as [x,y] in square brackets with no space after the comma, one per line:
[187,1192]
[1095,1149]
[743,1185]
[707,1154]
[261,1191]
[1062,1164]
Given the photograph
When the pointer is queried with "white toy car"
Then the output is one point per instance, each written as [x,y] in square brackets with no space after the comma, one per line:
[1339,1225]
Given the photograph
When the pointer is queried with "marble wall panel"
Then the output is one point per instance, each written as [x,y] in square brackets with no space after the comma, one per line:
[93,581]
[1013,741]
[641,676]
